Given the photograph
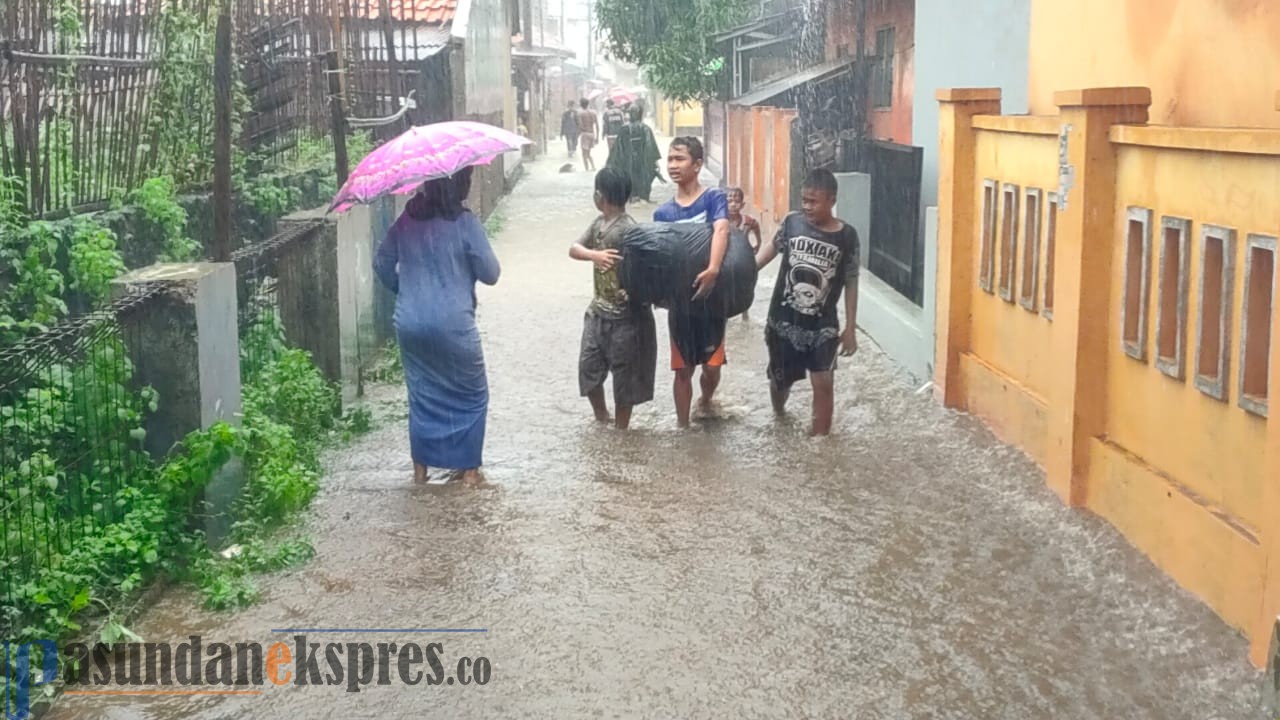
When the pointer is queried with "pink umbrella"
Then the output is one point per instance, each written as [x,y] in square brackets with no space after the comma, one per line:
[420,154]
[621,96]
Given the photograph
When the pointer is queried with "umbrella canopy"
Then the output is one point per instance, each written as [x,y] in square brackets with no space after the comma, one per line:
[420,154]
[622,96]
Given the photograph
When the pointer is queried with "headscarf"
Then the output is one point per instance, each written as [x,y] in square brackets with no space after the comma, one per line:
[441,197]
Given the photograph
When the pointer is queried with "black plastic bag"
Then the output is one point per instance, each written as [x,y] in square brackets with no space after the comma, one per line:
[661,260]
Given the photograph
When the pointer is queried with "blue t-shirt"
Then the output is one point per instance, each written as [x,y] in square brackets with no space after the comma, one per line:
[711,205]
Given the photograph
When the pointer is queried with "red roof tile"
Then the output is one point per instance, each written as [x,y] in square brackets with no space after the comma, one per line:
[435,12]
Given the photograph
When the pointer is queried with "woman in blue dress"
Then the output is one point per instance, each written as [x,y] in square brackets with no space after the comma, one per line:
[432,258]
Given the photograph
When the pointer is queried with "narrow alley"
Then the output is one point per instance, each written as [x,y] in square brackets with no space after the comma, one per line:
[910,566]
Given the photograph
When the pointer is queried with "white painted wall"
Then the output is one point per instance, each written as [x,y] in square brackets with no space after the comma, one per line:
[975,43]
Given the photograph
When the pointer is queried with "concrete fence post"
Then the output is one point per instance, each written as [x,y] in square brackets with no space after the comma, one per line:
[310,302]
[330,302]
[957,231]
[189,351]
[1086,238]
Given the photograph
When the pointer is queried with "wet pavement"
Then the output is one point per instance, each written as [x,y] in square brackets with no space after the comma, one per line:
[909,566]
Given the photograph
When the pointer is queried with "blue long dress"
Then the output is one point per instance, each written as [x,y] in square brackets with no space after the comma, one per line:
[432,266]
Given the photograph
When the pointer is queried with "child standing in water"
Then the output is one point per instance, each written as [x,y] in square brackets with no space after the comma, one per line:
[740,221]
[819,260]
[618,336]
[701,338]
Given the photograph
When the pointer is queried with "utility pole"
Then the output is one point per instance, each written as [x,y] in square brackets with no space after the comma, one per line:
[591,40]
[222,135]
[564,41]
[526,20]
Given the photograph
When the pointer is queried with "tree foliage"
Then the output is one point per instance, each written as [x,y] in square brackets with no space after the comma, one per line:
[671,40]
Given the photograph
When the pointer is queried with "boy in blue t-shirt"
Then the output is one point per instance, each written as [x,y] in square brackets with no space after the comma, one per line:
[696,204]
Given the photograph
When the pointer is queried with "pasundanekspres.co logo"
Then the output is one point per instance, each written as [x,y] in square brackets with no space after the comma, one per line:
[197,667]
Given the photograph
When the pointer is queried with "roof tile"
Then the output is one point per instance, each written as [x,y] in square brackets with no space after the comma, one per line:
[435,12]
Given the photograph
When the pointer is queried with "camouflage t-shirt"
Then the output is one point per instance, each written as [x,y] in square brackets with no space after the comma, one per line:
[610,299]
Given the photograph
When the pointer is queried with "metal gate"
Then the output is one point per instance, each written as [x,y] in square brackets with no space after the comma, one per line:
[896,250]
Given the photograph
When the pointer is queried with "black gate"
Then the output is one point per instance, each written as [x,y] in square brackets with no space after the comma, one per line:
[897,253]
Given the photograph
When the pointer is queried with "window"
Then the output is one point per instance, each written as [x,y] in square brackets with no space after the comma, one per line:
[882,71]
[1050,242]
[986,259]
[1171,313]
[1008,241]
[1255,337]
[1137,270]
[1217,279]
[1030,281]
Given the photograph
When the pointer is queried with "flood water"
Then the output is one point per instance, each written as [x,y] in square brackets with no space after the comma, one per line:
[909,566]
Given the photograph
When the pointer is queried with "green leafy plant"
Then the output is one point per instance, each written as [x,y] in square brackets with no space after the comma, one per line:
[495,222]
[271,197]
[157,199]
[671,40]
[95,259]
[31,288]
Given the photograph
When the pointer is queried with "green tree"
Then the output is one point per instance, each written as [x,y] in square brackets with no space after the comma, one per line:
[671,40]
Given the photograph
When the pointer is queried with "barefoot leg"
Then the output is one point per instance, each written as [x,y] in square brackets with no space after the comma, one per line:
[598,405]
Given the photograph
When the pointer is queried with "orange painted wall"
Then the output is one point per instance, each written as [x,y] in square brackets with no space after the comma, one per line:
[759,143]
[1010,338]
[1192,481]
[1207,62]
[893,123]
[1215,448]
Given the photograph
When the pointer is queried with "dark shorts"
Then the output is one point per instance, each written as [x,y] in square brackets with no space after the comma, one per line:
[789,364]
[696,340]
[626,349]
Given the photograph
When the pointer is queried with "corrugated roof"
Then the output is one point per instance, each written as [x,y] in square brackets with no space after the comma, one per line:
[760,95]
[435,12]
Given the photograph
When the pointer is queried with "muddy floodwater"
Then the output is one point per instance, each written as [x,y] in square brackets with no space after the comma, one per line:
[909,566]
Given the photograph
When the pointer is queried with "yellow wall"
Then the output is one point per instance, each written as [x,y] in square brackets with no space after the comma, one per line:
[1215,447]
[685,116]
[1207,62]
[1005,335]
[1191,480]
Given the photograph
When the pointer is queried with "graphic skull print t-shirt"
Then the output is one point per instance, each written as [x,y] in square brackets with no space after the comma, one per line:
[815,268]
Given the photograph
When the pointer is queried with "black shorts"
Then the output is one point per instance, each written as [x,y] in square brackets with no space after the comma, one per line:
[789,364]
[627,348]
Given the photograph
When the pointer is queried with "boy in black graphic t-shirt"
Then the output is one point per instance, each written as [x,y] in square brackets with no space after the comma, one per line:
[819,261]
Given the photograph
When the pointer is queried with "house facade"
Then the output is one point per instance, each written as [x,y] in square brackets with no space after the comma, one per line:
[1107,282]
[879,66]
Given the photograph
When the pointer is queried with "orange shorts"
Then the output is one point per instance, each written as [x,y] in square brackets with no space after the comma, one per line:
[717,358]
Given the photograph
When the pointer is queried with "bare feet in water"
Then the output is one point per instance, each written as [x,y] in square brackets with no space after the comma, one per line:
[421,476]
[470,478]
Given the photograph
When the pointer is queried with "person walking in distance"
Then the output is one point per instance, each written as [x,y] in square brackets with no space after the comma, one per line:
[588,133]
[695,204]
[569,128]
[614,119]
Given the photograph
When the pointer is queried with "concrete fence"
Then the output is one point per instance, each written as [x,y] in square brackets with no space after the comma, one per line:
[1106,302]
[314,280]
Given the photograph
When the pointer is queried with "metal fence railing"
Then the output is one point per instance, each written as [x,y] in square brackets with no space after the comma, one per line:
[270,281]
[71,438]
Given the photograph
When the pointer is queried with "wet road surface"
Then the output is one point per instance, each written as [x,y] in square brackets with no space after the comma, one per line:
[910,566]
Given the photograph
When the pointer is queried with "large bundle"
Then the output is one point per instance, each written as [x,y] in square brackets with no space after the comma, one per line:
[661,260]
